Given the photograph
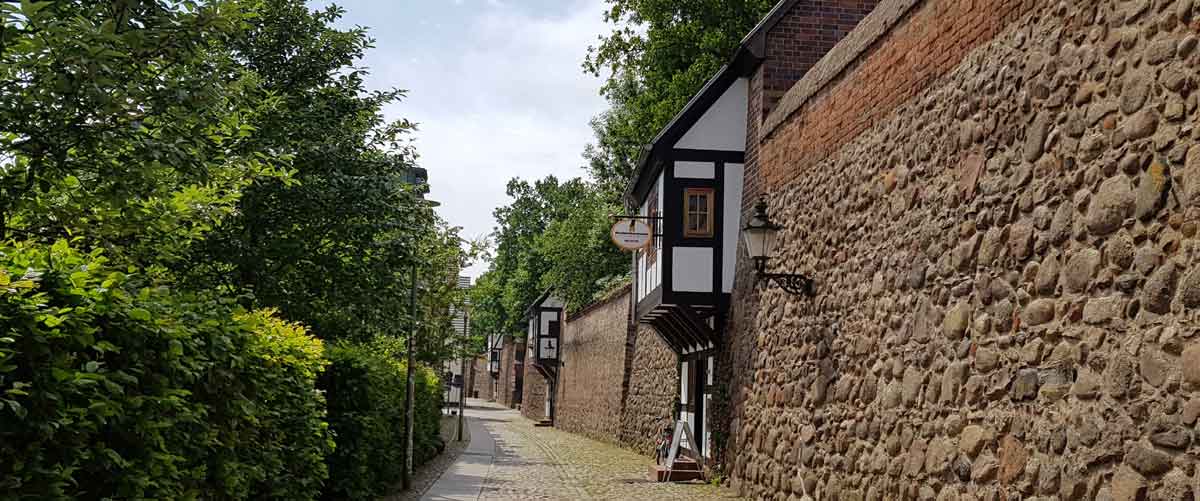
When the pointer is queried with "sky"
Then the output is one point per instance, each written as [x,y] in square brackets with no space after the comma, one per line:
[496,87]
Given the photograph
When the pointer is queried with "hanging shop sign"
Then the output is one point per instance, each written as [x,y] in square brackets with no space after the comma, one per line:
[631,234]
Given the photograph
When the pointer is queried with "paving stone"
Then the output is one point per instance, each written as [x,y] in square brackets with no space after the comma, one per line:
[544,463]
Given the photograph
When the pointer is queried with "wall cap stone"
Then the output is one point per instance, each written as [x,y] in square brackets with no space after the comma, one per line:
[847,51]
[610,296]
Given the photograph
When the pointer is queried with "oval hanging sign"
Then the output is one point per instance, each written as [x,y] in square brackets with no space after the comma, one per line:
[630,234]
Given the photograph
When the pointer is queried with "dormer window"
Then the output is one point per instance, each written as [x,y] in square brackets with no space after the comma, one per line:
[698,213]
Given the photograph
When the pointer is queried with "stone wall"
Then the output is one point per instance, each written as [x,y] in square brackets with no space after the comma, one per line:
[478,378]
[998,200]
[794,46]
[489,386]
[533,399]
[591,379]
[507,393]
[650,402]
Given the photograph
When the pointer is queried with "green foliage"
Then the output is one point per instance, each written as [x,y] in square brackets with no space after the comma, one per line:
[552,236]
[330,245]
[365,386]
[124,123]
[658,55]
[176,179]
[440,298]
[112,387]
[582,262]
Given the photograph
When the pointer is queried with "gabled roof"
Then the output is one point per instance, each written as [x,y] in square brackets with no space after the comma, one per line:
[537,303]
[749,54]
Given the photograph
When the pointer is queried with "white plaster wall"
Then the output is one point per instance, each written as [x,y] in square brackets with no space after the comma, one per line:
[547,317]
[548,351]
[692,269]
[723,126]
[733,222]
[694,170]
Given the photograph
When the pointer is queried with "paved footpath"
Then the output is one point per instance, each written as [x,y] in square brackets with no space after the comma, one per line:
[509,459]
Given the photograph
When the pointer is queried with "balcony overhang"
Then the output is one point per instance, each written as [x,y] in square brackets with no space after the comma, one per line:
[682,328]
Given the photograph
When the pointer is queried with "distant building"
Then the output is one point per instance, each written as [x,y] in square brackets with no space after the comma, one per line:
[453,368]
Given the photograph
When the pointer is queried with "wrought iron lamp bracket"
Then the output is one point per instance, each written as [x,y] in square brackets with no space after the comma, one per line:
[792,283]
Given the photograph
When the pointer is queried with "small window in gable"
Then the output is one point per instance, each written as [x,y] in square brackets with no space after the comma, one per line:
[698,213]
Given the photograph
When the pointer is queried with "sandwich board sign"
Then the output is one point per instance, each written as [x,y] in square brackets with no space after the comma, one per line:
[630,234]
[683,443]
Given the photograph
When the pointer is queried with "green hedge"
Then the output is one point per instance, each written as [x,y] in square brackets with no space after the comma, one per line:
[365,388]
[112,387]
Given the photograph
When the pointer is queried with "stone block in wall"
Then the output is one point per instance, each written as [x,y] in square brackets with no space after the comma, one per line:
[591,384]
[649,404]
[997,202]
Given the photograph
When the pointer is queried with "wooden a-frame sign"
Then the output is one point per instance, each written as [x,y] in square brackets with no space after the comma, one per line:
[689,450]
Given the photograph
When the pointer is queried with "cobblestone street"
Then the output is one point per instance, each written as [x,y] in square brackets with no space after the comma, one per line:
[533,463]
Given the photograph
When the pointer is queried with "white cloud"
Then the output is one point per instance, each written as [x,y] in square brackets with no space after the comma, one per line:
[502,96]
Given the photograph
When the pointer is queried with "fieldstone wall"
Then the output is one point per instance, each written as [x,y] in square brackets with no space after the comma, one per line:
[591,379]
[1005,245]
[533,399]
[650,402]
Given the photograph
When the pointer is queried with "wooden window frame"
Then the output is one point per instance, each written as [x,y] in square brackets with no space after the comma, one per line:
[710,197]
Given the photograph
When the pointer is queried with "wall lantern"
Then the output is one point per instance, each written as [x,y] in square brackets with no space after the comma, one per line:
[760,235]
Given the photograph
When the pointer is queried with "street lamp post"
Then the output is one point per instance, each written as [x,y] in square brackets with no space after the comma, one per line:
[421,178]
[410,389]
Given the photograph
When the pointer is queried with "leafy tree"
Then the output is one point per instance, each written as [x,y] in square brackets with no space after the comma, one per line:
[329,246]
[657,57]
[440,297]
[162,165]
[487,307]
[581,260]
[123,123]
[518,263]
[553,236]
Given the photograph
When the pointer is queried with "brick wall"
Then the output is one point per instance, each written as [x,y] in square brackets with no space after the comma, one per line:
[477,378]
[533,399]
[914,53]
[800,39]
[998,201]
[509,371]
[592,377]
[490,386]
[797,42]
[617,382]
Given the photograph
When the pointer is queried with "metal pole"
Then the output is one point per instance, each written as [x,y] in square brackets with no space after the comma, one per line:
[411,387]
[462,391]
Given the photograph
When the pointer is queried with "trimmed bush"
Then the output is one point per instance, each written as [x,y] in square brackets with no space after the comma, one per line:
[114,387]
[365,387]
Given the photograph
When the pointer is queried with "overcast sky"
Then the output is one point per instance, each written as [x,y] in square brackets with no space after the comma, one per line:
[496,87]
